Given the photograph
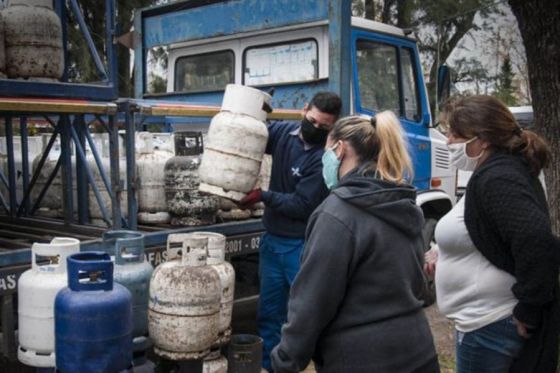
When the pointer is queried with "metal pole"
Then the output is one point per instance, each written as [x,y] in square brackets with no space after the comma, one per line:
[115,172]
[131,167]
[339,51]
[81,157]
[81,176]
[24,161]
[91,45]
[110,33]
[66,156]
[11,166]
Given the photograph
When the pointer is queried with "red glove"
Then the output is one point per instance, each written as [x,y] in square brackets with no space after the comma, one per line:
[251,198]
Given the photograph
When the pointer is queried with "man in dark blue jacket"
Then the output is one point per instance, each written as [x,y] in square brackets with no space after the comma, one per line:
[296,189]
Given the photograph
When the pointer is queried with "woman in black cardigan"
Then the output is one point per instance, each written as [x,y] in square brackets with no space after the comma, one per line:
[497,271]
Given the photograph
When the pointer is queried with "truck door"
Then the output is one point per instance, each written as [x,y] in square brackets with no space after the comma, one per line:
[387,76]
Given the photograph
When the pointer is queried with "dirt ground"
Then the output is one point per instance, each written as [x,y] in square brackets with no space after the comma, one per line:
[444,337]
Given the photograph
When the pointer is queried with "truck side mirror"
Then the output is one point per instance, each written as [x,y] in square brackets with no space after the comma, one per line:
[443,84]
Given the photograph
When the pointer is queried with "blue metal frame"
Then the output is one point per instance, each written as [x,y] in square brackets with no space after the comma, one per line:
[72,129]
[24,160]
[129,109]
[11,166]
[108,90]
[340,16]
[417,131]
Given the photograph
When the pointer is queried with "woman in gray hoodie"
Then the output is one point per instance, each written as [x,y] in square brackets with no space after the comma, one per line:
[355,304]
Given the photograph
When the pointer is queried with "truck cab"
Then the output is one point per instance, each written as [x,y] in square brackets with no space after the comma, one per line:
[297,49]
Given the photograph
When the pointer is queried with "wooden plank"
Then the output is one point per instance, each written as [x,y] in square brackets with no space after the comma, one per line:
[206,111]
[57,106]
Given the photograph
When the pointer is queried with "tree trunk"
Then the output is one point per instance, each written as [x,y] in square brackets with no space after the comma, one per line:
[539,23]
[404,13]
[386,11]
[369,6]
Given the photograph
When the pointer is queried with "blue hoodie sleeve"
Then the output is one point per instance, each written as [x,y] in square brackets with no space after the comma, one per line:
[317,292]
[308,194]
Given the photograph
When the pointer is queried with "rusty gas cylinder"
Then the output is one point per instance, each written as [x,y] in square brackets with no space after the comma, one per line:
[184,308]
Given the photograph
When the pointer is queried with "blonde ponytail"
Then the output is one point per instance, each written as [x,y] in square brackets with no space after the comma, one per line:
[393,161]
[379,140]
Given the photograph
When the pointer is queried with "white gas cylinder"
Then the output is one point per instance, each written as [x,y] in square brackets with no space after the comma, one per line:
[33,37]
[184,306]
[217,260]
[236,143]
[150,163]
[37,289]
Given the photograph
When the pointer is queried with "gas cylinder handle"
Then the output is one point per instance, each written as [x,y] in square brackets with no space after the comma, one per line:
[89,271]
[126,246]
[194,249]
[175,245]
[216,253]
[60,247]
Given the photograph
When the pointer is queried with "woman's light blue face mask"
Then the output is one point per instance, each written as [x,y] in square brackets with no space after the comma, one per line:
[331,164]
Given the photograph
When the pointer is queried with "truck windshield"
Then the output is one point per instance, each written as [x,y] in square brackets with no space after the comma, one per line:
[204,72]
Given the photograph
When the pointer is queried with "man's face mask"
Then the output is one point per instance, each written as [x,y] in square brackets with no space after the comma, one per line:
[311,134]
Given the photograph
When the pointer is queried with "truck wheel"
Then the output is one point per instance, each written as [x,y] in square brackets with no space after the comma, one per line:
[429,292]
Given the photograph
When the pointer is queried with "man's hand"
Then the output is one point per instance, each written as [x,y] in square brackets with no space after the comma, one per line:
[253,197]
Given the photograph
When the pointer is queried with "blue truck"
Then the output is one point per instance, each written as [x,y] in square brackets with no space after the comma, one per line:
[296,48]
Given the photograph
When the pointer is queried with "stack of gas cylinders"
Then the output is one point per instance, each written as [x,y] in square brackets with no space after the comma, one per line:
[179,179]
[101,311]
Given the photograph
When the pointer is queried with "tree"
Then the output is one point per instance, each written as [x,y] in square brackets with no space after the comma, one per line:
[439,25]
[539,23]
[505,88]
[470,70]
[82,67]
[442,26]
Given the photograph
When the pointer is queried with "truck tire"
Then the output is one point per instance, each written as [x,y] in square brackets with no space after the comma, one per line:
[429,292]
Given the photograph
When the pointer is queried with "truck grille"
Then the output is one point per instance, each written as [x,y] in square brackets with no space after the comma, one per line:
[442,158]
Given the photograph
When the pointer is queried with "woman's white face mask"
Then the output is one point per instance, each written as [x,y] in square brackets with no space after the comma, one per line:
[459,157]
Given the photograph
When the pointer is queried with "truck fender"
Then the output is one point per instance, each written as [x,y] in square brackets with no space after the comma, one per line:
[434,204]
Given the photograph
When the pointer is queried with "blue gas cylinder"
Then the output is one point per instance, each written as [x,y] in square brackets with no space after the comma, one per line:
[93,318]
[132,271]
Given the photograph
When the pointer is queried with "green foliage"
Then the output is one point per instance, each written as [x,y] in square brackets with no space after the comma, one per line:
[81,66]
[158,84]
[470,70]
[505,88]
